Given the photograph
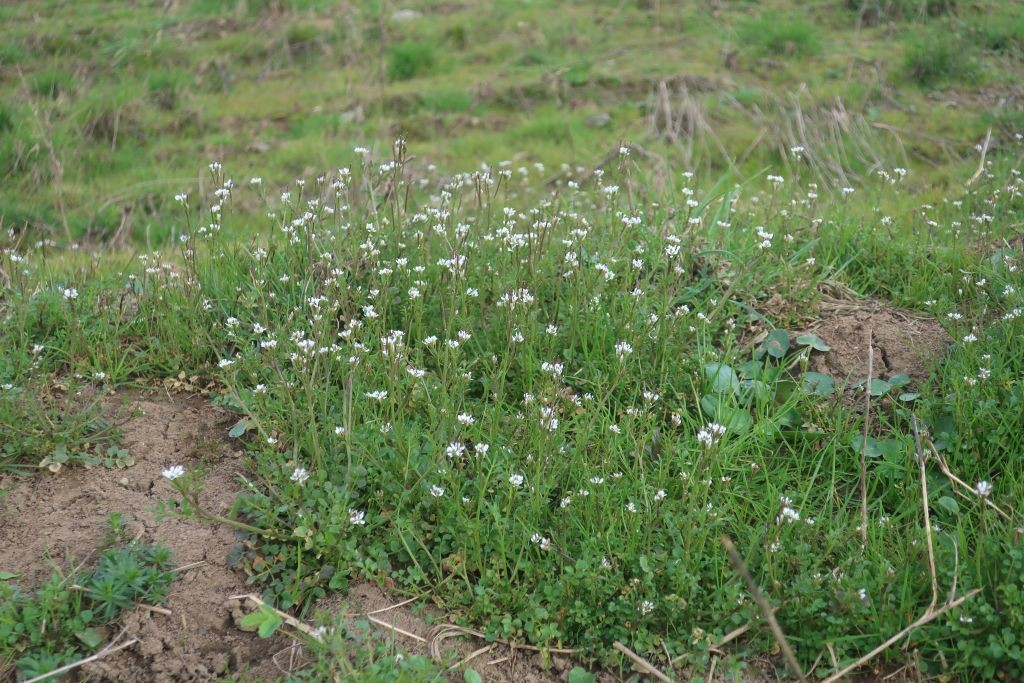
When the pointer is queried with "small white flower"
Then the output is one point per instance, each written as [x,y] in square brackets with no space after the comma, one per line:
[645,608]
[465,419]
[983,488]
[516,480]
[436,491]
[356,517]
[70,293]
[225,362]
[173,472]
[300,475]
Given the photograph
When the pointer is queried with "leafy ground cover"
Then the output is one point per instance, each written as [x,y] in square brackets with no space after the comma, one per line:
[546,404]
[570,317]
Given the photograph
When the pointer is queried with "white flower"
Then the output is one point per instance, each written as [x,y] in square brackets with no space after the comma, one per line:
[516,480]
[181,197]
[436,491]
[710,434]
[225,362]
[379,395]
[356,517]
[455,450]
[481,448]
[70,293]
[300,475]
[983,488]
[645,608]
[465,419]
[173,472]
[623,349]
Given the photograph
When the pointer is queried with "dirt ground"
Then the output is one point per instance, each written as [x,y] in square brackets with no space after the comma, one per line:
[61,520]
[904,343]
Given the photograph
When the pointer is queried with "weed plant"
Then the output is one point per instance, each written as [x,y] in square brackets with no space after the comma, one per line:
[61,622]
[541,401]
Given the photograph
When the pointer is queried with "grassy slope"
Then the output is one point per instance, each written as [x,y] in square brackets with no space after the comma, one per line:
[268,88]
[135,98]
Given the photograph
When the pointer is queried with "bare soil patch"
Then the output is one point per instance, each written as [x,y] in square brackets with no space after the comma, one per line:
[61,520]
[904,342]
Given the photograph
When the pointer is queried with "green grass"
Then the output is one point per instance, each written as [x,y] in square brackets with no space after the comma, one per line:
[500,389]
[543,467]
[781,35]
[934,59]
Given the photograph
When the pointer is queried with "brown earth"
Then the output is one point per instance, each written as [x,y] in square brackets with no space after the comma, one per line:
[903,342]
[61,520]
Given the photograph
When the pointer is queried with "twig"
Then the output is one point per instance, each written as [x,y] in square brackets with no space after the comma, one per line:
[723,641]
[397,630]
[766,609]
[154,608]
[446,630]
[928,616]
[285,617]
[108,650]
[864,442]
[981,162]
[473,655]
[190,565]
[944,466]
[386,609]
[646,666]
[927,517]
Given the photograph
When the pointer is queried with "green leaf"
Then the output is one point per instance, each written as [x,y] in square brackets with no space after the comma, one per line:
[471,676]
[90,638]
[909,396]
[948,504]
[814,341]
[897,381]
[872,448]
[240,428]
[580,675]
[723,379]
[7,576]
[266,621]
[817,383]
[879,387]
[718,408]
[776,344]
